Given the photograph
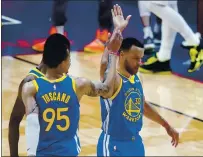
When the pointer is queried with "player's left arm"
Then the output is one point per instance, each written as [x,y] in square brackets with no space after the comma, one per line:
[153,115]
[32,120]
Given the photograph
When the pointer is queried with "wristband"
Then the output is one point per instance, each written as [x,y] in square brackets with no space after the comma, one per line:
[114,53]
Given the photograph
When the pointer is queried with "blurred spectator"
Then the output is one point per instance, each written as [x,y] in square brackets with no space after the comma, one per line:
[59,19]
[150,38]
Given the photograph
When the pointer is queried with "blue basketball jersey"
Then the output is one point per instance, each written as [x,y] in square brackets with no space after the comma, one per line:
[122,114]
[36,72]
[58,116]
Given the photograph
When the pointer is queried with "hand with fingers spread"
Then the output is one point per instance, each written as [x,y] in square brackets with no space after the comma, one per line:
[118,19]
[115,41]
[174,135]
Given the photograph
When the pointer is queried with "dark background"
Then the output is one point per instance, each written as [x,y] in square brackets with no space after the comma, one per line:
[82,24]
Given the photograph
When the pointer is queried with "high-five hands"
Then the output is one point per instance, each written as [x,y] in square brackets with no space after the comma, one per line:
[118,19]
[115,41]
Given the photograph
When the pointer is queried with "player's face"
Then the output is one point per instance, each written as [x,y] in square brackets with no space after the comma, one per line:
[66,63]
[132,59]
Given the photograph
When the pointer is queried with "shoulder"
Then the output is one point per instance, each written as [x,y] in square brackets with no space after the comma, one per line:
[29,88]
[25,80]
[29,78]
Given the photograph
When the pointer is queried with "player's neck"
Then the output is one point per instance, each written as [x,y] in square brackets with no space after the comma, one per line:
[42,67]
[123,71]
[53,74]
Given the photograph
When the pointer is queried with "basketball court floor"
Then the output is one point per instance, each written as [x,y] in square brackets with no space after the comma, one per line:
[178,100]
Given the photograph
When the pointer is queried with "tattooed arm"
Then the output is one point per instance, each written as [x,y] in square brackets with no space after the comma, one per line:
[32,122]
[106,89]
[120,23]
[90,88]
[104,64]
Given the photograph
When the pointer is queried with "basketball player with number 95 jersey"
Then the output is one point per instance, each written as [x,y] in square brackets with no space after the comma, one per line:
[52,101]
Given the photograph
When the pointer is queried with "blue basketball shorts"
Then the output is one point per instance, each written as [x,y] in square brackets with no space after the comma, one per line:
[70,147]
[110,147]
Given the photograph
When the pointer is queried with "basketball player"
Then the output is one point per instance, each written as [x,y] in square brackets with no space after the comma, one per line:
[19,109]
[172,22]
[122,114]
[52,101]
[59,20]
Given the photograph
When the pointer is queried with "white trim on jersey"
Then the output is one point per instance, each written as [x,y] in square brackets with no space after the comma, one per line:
[106,145]
[108,104]
[77,142]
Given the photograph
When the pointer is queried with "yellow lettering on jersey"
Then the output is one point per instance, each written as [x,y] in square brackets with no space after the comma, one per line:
[131,119]
[137,101]
[50,95]
[54,95]
[63,97]
[59,96]
[47,98]
[124,114]
[129,90]
[67,99]
[44,99]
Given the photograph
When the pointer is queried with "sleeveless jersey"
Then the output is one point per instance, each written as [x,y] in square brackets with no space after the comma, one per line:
[58,115]
[36,72]
[122,114]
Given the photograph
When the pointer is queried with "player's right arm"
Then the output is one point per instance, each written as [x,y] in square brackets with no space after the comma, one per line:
[29,91]
[120,23]
[16,117]
[105,89]
[90,88]
[104,63]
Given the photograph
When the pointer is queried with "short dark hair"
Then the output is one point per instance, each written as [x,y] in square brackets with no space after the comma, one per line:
[129,42]
[55,50]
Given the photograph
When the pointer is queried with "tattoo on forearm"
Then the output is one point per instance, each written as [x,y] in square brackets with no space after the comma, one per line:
[98,89]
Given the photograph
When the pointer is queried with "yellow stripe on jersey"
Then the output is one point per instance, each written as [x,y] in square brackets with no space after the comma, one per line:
[36,70]
[74,85]
[57,80]
[34,75]
[122,75]
[36,85]
[131,78]
[118,90]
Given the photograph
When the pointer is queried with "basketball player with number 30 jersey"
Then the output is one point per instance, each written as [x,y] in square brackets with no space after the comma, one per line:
[122,114]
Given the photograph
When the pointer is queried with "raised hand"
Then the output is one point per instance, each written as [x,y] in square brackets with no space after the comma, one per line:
[115,41]
[118,19]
